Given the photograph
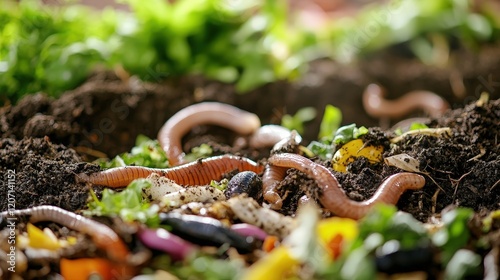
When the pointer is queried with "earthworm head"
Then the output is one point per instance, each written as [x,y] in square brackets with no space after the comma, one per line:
[413,181]
[419,181]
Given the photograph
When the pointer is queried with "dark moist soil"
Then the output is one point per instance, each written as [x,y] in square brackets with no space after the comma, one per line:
[45,174]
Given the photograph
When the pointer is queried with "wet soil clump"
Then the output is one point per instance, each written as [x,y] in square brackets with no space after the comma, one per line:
[44,175]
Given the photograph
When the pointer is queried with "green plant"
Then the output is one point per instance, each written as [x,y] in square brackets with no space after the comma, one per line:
[50,49]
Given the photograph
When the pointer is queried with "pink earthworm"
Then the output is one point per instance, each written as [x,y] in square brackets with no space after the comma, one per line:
[334,198]
[200,172]
[103,236]
[171,133]
[376,106]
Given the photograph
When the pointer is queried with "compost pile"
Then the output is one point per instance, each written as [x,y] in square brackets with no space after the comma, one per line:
[461,170]
[309,183]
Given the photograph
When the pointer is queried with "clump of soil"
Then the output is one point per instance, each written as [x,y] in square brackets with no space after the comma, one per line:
[45,174]
[466,165]
[462,169]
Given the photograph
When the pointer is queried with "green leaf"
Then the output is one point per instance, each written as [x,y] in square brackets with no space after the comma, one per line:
[391,225]
[128,204]
[348,133]
[324,151]
[179,51]
[201,267]
[146,153]
[464,263]
[358,265]
[296,122]
[202,151]
[330,122]
[222,185]
[417,125]
[454,234]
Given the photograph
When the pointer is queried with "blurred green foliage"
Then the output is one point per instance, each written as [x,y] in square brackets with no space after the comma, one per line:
[248,43]
[146,152]
[53,49]
[386,225]
[428,28]
[49,49]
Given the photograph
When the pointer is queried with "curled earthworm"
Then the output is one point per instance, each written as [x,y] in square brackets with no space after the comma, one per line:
[215,113]
[103,236]
[376,106]
[270,180]
[333,197]
[273,175]
[200,172]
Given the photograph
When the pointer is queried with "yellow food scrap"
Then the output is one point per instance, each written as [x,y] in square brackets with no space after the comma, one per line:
[42,239]
[334,232]
[354,149]
[276,265]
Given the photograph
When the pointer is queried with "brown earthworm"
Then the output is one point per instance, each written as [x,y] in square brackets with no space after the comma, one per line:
[170,135]
[333,197]
[376,106]
[200,172]
[103,236]
[270,179]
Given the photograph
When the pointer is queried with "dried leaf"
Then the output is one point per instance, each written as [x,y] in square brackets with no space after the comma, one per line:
[405,162]
[410,164]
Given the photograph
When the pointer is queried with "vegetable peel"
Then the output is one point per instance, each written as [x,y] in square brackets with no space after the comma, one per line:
[352,150]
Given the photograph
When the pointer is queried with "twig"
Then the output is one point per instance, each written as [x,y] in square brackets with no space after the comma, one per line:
[457,182]
[494,185]
[436,132]
[434,201]
[482,152]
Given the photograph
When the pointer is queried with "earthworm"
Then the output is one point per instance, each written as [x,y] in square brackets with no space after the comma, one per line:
[333,197]
[200,172]
[170,135]
[270,180]
[103,236]
[376,106]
